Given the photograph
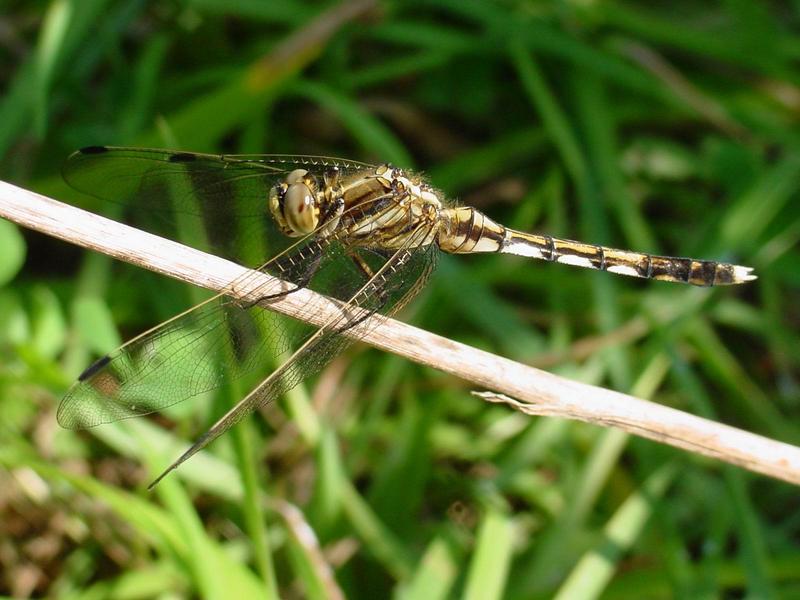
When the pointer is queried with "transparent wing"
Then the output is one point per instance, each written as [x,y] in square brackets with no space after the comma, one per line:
[216,203]
[220,340]
[395,280]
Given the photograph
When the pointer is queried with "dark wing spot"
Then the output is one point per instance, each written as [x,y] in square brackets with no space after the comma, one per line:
[94,367]
[181,157]
[94,150]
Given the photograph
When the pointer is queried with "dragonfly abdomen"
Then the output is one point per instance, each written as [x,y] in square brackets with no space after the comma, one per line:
[466,230]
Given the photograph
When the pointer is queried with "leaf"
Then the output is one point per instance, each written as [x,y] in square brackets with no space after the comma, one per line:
[95,324]
[488,570]
[12,251]
[47,322]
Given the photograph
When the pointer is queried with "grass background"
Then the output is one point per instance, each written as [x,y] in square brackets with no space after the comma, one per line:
[661,126]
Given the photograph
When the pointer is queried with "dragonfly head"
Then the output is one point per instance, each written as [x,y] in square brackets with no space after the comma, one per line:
[294,203]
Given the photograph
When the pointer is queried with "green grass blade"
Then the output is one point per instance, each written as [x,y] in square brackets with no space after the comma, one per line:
[488,570]
[435,575]
[593,572]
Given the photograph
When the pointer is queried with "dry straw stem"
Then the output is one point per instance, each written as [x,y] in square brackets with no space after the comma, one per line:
[523,388]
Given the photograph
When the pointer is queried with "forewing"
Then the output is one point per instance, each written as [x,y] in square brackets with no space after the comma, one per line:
[221,339]
[217,203]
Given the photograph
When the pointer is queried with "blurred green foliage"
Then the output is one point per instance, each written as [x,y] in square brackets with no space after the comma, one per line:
[660,126]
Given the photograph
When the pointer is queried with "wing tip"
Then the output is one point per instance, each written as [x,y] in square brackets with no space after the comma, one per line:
[65,417]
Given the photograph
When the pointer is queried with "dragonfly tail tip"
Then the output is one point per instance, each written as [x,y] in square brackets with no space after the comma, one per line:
[743,274]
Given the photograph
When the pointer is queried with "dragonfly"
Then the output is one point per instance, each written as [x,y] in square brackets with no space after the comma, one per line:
[367,236]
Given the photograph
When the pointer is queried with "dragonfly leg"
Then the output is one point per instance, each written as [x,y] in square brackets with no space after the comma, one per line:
[362,265]
[378,290]
[297,269]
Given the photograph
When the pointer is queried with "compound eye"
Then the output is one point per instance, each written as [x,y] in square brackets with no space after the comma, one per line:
[300,208]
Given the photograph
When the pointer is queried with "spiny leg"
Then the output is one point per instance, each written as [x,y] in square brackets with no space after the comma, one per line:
[376,282]
[300,266]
